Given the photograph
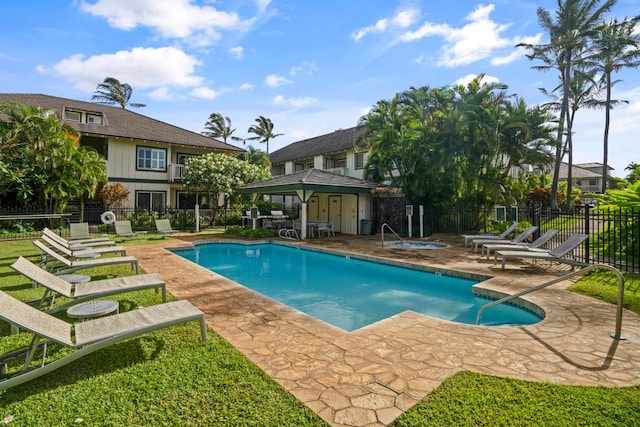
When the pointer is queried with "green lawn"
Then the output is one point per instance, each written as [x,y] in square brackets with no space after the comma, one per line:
[171,378]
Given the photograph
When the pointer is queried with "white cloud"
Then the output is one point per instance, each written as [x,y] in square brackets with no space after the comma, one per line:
[139,67]
[274,80]
[403,19]
[246,86]
[469,77]
[294,102]
[237,52]
[162,94]
[204,93]
[305,67]
[170,18]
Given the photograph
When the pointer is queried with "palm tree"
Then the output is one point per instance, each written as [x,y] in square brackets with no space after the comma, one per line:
[112,92]
[575,22]
[263,130]
[615,47]
[219,127]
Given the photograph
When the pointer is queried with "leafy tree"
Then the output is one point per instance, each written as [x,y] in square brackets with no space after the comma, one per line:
[569,34]
[219,127]
[263,131]
[114,195]
[112,92]
[216,175]
[256,157]
[453,145]
[40,161]
[634,172]
[615,47]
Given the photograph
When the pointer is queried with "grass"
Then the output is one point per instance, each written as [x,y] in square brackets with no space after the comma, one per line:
[171,378]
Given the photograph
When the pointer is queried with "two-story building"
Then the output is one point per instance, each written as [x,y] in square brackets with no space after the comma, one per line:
[145,155]
[586,176]
[342,201]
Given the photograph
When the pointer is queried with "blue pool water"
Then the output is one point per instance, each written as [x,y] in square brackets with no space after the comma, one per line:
[347,292]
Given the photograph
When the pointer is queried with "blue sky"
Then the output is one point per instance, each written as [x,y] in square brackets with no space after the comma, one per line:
[311,66]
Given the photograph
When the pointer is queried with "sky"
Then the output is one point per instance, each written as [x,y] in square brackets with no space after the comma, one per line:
[311,66]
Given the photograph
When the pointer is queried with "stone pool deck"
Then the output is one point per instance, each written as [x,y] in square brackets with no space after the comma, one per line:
[370,376]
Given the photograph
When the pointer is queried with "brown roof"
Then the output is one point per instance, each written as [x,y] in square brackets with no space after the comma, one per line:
[118,122]
[334,142]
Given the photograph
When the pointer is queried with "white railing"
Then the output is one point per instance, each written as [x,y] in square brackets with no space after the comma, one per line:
[175,172]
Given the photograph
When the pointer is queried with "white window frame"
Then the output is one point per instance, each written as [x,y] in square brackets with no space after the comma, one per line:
[359,160]
[94,118]
[151,159]
[154,204]
[69,115]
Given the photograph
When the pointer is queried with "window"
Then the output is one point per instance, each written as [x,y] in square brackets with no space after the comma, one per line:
[299,167]
[593,182]
[359,160]
[151,200]
[341,163]
[95,119]
[154,159]
[72,116]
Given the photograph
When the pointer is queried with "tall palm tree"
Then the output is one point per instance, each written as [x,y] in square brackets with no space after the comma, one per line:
[219,127]
[112,92]
[615,47]
[569,33]
[263,131]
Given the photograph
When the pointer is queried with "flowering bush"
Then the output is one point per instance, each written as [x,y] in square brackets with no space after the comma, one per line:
[216,174]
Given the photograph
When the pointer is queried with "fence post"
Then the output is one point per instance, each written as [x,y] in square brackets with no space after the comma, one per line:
[587,231]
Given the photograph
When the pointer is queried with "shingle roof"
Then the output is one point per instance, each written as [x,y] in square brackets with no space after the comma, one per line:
[118,122]
[576,172]
[310,179]
[334,142]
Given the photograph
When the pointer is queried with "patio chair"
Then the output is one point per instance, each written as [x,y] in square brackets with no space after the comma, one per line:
[83,338]
[164,226]
[80,231]
[523,246]
[71,243]
[77,251]
[503,235]
[555,255]
[518,239]
[325,228]
[81,292]
[288,233]
[123,229]
[58,264]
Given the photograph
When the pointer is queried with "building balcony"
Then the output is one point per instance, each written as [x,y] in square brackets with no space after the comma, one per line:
[175,172]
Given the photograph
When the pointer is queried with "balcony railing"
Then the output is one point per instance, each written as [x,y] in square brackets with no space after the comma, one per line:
[175,172]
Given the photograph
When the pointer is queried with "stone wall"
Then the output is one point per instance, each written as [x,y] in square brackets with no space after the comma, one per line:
[390,209]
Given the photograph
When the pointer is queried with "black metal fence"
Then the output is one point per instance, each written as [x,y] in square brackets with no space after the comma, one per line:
[614,234]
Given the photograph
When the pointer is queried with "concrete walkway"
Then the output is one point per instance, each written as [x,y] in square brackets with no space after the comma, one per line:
[370,376]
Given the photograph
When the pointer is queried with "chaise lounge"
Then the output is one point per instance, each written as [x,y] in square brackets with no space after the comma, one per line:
[58,264]
[555,255]
[81,292]
[501,236]
[518,239]
[84,338]
[523,246]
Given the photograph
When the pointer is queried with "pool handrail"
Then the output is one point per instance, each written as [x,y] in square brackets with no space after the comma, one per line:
[390,229]
[620,298]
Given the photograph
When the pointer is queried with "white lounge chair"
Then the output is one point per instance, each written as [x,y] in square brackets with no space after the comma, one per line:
[84,338]
[325,228]
[518,239]
[58,264]
[555,255]
[503,235]
[80,231]
[80,292]
[77,251]
[164,226]
[123,229]
[523,246]
[71,243]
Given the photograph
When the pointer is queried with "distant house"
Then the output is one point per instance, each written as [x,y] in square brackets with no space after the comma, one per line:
[586,176]
[340,155]
[143,154]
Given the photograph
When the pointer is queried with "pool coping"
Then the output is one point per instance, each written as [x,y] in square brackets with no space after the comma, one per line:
[370,376]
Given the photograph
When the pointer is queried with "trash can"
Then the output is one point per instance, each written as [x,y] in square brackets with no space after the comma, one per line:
[366,226]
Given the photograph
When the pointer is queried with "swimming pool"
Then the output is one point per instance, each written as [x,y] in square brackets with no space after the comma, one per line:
[347,292]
